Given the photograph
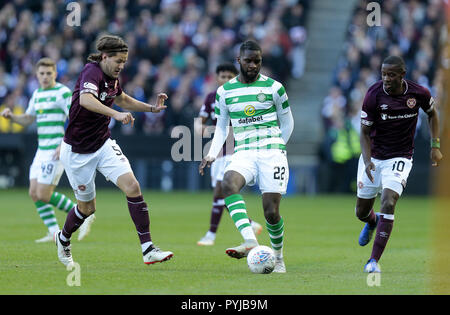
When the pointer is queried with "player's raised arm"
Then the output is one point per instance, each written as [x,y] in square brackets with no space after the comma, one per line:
[129,103]
[88,101]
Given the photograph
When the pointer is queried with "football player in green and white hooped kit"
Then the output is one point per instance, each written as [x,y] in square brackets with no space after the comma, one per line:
[49,106]
[254,103]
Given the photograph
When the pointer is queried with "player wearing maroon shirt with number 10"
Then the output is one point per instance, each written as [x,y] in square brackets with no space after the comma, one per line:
[388,123]
[87,146]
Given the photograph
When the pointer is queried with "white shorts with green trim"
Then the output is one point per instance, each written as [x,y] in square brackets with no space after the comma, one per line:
[268,168]
[45,169]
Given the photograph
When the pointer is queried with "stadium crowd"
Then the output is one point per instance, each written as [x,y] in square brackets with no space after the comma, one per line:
[410,29]
[174,45]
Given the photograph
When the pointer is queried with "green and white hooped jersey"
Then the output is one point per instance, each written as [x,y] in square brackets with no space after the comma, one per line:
[51,108]
[253,110]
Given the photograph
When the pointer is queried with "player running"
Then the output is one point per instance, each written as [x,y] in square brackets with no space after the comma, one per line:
[49,106]
[87,146]
[388,123]
[224,73]
[254,103]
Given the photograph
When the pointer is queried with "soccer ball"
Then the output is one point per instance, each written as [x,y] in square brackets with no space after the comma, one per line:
[261,259]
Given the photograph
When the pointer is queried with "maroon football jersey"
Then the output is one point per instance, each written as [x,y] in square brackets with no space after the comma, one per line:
[393,118]
[87,131]
[207,111]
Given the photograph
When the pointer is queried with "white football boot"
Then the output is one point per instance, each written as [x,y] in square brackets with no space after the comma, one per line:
[242,250]
[207,240]
[85,228]
[280,267]
[156,255]
[46,238]
[64,253]
[257,228]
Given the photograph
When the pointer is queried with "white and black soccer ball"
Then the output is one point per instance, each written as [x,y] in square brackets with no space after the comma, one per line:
[261,259]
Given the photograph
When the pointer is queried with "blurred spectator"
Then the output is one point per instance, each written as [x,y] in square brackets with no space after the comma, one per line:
[6,126]
[175,45]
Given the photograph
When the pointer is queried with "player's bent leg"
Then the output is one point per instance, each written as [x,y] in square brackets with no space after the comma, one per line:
[275,227]
[129,185]
[87,209]
[364,212]
[139,214]
[388,201]
[45,212]
[231,185]
[75,218]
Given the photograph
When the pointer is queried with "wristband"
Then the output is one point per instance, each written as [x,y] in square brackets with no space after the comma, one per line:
[436,143]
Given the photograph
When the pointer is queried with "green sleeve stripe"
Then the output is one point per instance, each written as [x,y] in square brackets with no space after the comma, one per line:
[217,96]
[50,135]
[258,112]
[285,104]
[281,91]
[48,147]
[217,110]
[50,123]
[269,124]
[50,111]
[248,98]
[67,94]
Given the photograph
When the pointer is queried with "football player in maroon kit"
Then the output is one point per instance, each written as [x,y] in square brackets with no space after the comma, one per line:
[87,146]
[388,123]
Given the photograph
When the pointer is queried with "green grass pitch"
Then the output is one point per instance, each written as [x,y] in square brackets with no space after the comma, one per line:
[322,255]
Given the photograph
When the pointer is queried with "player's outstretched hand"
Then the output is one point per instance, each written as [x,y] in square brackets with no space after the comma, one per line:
[369,168]
[436,156]
[205,162]
[160,98]
[125,118]
[6,113]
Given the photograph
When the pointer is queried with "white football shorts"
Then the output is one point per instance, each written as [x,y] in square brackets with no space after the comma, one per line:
[218,169]
[392,173]
[268,168]
[82,168]
[44,169]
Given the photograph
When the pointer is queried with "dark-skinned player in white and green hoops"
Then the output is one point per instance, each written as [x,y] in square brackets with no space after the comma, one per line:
[262,123]
[49,106]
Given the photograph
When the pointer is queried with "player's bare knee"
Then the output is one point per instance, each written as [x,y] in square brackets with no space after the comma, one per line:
[33,195]
[86,209]
[229,188]
[388,205]
[361,212]
[44,197]
[133,189]
[271,213]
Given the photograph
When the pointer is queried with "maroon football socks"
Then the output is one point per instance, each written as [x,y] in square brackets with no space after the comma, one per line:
[384,229]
